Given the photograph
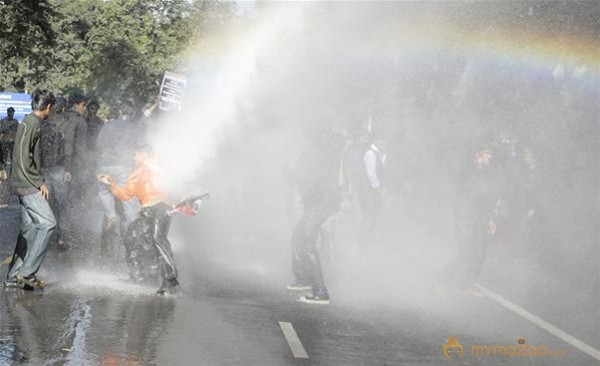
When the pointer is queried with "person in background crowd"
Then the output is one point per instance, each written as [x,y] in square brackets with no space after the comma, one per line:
[153,221]
[115,144]
[38,221]
[371,189]
[94,125]
[317,177]
[8,131]
[478,211]
[73,127]
[518,197]
[71,124]
[53,162]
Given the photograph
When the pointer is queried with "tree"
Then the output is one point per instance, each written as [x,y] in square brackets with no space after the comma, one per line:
[116,49]
[26,35]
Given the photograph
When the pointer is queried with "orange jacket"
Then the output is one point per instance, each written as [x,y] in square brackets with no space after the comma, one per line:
[141,183]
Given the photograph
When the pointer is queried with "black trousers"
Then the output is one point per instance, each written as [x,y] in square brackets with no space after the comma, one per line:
[306,261]
[473,238]
[6,153]
[370,204]
[147,243]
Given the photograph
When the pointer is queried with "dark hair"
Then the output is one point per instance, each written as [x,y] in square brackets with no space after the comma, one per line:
[41,99]
[10,109]
[77,98]
[61,104]
[127,110]
[144,149]
[93,102]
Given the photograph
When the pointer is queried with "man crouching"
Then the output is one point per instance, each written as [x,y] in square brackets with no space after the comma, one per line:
[153,221]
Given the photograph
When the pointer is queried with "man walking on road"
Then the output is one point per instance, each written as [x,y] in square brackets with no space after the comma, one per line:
[317,179]
[38,221]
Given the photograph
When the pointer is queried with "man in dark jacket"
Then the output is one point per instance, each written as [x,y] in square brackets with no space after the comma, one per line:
[72,125]
[38,222]
[53,160]
[317,177]
[478,209]
[8,131]
[94,124]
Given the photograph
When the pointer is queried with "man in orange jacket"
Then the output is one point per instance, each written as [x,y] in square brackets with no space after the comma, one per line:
[153,221]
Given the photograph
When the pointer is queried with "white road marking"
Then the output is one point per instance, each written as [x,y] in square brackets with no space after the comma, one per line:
[292,339]
[541,323]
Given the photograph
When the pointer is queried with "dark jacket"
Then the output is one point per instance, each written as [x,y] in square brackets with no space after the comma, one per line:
[317,175]
[8,127]
[73,127]
[53,145]
[94,125]
[480,190]
[27,158]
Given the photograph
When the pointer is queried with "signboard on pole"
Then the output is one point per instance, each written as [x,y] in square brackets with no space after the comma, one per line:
[171,91]
[21,102]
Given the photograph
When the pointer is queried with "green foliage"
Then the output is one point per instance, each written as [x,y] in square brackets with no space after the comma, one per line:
[115,49]
[25,34]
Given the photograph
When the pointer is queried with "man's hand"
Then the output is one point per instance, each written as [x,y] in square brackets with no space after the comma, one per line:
[103,178]
[67,177]
[44,191]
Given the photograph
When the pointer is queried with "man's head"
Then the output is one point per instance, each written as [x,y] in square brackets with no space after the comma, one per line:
[127,111]
[142,153]
[10,112]
[92,107]
[42,102]
[61,104]
[78,102]
[483,157]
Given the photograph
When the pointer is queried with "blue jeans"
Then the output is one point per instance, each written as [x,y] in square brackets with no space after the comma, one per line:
[130,208]
[37,226]
[306,261]
[59,197]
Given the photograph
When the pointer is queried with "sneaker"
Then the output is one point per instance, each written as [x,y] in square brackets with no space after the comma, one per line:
[31,281]
[315,299]
[170,286]
[14,284]
[298,287]
[11,283]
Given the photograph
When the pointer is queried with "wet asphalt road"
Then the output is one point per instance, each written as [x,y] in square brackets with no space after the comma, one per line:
[91,316]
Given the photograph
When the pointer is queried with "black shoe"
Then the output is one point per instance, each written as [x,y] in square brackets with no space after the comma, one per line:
[63,246]
[315,299]
[170,286]
[31,281]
